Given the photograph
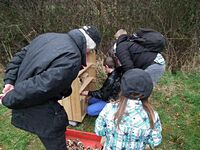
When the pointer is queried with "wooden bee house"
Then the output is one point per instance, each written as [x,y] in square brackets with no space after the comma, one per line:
[75,105]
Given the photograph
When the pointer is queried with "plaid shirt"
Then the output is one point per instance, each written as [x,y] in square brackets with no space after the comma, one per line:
[134,131]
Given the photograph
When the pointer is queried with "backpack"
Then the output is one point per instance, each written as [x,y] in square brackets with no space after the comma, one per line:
[150,39]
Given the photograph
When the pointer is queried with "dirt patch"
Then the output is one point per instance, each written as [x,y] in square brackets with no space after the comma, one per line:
[1,147]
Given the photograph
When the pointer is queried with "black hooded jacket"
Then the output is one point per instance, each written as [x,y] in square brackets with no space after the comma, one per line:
[42,73]
[110,88]
[131,56]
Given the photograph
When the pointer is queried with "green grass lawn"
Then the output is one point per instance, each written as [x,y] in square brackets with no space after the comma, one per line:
[176,98]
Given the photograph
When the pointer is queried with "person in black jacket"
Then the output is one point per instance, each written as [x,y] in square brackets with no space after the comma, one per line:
[151,62]
[40,75]
[108,92]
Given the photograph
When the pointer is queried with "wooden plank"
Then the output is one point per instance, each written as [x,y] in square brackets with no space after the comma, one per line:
[86,68]
[86,82]
[66,103]
[84,105]
[91,57]
[75,100]
[68,106]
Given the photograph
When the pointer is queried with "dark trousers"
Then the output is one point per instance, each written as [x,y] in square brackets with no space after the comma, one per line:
[57,143]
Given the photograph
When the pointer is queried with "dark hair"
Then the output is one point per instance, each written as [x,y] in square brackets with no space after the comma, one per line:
[122,102]
[109,61]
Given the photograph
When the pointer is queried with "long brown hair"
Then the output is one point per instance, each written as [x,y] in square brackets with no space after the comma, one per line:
[122,102]
[150,111]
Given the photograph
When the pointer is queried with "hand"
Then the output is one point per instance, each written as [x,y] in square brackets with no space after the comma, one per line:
[1,97]
[7,88]
[84,93]
[87,99]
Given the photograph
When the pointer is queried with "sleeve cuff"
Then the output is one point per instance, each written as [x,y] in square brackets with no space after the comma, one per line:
[6,81]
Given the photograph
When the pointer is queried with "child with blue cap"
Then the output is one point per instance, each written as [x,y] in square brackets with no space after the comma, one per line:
[130,123]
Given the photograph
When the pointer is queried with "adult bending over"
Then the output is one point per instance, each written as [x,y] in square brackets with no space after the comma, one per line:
[135,57]
[40,75]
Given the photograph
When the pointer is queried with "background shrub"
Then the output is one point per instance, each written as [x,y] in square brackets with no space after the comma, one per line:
[178,20]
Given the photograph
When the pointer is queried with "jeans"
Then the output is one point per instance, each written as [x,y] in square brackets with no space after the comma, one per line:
[95,106]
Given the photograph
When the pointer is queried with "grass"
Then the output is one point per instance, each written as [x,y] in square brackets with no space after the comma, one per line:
[177,101]
[12,138]
[176,98]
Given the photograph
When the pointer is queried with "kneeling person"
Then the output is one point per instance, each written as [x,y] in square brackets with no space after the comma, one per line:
[108,92]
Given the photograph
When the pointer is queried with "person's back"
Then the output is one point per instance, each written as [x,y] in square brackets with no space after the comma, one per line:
[130,123]
[134,133]
[43,50]
[46,59]
[132,55]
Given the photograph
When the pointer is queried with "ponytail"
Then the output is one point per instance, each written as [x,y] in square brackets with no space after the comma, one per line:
[121,108]
[149,109]
[122,102]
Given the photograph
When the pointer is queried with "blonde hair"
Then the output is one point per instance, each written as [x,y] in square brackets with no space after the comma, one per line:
[120,32]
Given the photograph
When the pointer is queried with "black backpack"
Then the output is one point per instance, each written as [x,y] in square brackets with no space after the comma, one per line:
[150,39]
